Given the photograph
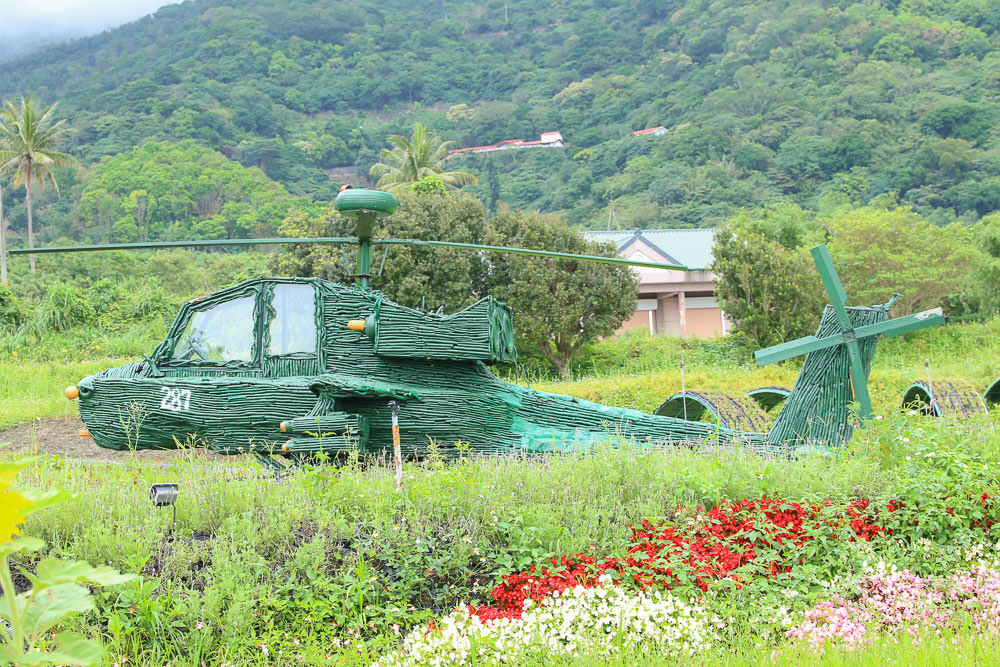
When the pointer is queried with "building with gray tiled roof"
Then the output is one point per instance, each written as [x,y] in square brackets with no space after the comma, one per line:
[679,303]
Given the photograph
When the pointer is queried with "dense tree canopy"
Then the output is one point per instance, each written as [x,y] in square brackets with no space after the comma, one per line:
[414,276]
[559,305]
[771,292]
[769,286]
[820,103]
[884,251]
[179,191]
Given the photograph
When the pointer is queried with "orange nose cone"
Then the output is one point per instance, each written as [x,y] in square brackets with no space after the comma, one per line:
[283,426]
[71,392]
[356,325]
[84,433]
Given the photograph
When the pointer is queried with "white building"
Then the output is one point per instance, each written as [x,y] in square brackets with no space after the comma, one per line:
[678,303]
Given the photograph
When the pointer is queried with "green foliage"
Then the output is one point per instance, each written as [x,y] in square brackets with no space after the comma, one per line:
[28,139]
[776,101]
[768,284]
[771,292]
[784,222]
[65,306]
[257,555]
[429,185]
[412,160]
[59,588]
[559,305]
[413,276]
[160,191]
[81,304]
[29,136]
[879,252]
[12,311]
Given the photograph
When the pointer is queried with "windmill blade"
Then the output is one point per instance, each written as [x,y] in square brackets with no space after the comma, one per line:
[154,245]
[859,381]
[529,251]
[902,325]
[794,348]
[834,288]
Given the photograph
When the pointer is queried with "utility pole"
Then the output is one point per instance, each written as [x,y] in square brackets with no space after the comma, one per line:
[612,218]
[3,242]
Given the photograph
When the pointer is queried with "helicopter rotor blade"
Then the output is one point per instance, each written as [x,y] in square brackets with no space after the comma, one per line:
[538,253]
[153,245]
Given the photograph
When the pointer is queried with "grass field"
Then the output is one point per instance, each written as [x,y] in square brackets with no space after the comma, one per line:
[634,371]
[264,569]
[252,556]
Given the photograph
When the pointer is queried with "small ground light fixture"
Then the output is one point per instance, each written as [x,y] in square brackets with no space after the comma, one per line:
[163,494]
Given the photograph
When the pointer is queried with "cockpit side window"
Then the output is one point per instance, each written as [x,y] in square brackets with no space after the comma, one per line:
[221,333]
[293,327]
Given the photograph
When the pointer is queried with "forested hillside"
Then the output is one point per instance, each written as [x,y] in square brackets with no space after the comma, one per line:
[822,103]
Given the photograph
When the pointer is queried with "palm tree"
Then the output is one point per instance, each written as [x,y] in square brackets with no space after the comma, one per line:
[27,149]
[413,159]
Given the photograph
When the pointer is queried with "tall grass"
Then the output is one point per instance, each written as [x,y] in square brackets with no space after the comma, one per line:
[35,389]
[970,350]
[253,555]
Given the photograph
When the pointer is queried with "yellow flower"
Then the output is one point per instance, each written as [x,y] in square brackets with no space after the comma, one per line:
[11,504]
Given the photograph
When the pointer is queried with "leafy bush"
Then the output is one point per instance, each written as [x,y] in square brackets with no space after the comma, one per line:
[12,311]
[64,307]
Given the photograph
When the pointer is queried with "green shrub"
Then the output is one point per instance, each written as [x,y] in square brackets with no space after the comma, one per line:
[12,311]
[64,307]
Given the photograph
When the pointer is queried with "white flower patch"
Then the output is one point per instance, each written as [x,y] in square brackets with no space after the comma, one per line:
[983,555]
[592,621]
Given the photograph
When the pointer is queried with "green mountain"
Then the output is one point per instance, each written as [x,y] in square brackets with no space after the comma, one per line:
[816,102]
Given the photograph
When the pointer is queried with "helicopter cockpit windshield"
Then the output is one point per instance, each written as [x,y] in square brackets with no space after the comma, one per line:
[221,333]
[293,328]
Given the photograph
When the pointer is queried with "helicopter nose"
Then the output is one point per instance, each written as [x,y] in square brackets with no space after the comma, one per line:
[81,389]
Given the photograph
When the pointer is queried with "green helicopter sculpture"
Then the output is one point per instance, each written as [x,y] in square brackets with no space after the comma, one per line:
[298,366]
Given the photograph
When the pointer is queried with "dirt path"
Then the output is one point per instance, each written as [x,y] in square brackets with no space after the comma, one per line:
[61,435]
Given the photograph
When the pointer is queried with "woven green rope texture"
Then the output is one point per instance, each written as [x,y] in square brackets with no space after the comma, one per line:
[240,406]
[737,412]
[323,361]
[943,398]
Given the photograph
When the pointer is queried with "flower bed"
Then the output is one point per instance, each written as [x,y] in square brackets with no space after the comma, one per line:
[672,573]
[734,540]
[898,600]
[602,619]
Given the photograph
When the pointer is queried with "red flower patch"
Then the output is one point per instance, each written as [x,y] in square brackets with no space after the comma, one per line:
[734,540]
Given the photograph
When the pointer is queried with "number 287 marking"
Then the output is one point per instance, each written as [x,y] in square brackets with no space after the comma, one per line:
[175,400]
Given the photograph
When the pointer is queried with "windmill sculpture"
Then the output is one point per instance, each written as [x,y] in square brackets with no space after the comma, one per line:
[838,360]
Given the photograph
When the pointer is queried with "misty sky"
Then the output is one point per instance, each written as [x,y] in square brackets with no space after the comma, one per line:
[24,23]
